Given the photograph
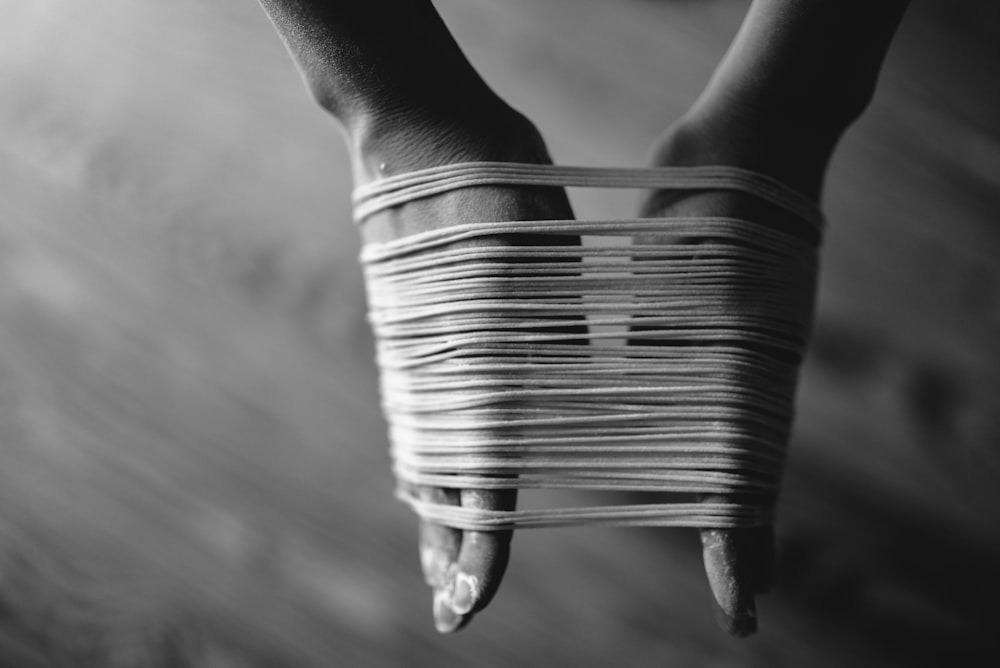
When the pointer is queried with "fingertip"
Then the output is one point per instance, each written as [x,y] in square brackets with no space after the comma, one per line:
[446,620]
[484,555]
[439,545]
[481,565]
[733,591]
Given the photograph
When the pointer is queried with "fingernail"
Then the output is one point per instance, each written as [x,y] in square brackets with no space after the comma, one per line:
[464,597]
[445,619]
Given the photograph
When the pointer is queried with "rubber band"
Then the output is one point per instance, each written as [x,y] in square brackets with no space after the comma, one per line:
[661,355]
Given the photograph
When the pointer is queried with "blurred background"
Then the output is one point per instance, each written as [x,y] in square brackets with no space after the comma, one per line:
[193,466]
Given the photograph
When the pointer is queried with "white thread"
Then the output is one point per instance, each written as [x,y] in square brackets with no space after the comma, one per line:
[667,366]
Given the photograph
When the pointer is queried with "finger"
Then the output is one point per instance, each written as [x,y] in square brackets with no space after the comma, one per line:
[726,566]
[439,549]
[483,557]
[735,567]
[439,544]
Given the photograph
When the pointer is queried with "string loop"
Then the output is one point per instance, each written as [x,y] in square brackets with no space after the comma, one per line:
[661,355]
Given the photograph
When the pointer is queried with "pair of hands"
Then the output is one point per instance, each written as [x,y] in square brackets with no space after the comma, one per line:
[464,568]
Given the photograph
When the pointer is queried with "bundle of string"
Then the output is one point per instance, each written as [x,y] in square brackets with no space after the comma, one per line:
[661,355]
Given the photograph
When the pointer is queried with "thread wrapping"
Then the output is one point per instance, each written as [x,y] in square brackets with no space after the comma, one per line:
[661,355]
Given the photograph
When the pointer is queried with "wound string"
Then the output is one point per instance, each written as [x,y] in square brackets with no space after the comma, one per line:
[660,356]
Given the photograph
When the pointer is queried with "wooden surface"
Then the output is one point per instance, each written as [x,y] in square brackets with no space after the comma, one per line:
[193,468]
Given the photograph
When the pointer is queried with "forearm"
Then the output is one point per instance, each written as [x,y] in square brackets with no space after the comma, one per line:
[365,59]
[818,59]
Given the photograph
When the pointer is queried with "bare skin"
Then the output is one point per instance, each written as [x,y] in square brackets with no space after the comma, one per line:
[360,64]
[777,104]
[797,75]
